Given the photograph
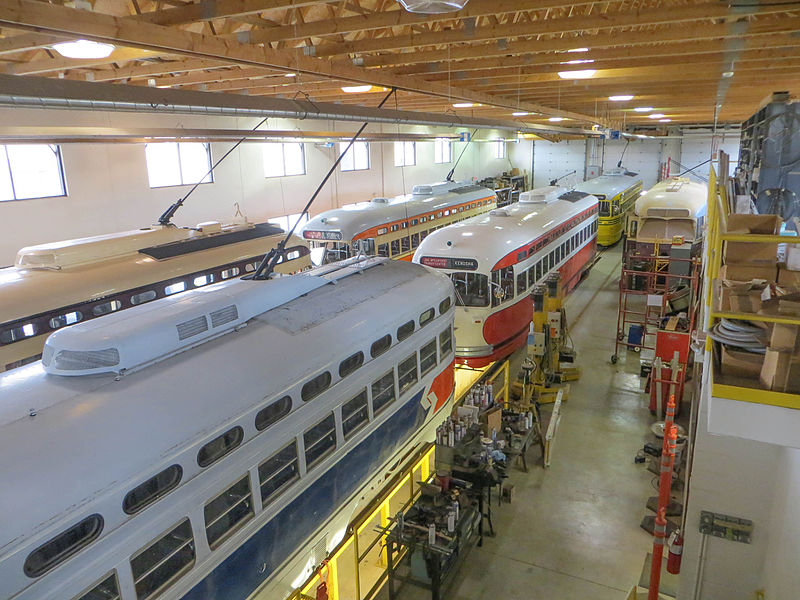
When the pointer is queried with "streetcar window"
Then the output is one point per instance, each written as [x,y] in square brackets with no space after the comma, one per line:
[472,289]
[407,372]
[446,213]
[423,235]
[503,285]
[354,414]
[107,589]
[203,280]
[394,228]
[423,219]
[351,364]
[439,215]
[320,440]
[539,269]
[383,249]
[552,261]
[426,317]
[414,222]
[395,247]
[17,333]
[383,392]
[427,357]
[404,225]
[64,545]
[382,230]
[161,563]
[106,307]
[445,341]
[151,490]
[143,297]
[228,511]
[460,209]
[278,471]
[380,346]
[522,282]
[67,319]
[405,244]
[273,413]
[405,330]
[415,240]
[313,388]
[531,275]
[521,255]
[174,288]
[444,305]
[228,273]
[220,446]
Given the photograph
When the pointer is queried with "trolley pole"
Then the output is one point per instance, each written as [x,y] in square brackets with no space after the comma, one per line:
[660,530]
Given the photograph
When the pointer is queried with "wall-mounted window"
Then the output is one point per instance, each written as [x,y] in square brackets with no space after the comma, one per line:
[281,159]
[405,154]
[442,151]
[178,163]
[499,148]
[31,171]
[356,158]
[287,222]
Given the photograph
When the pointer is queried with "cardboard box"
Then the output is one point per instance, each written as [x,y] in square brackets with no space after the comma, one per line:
[784,336]
[780,371]
[787,278]
[748,272]
[741,363]
[492,419]
[752,252]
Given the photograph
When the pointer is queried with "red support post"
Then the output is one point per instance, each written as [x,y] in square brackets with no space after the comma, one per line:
[664,487]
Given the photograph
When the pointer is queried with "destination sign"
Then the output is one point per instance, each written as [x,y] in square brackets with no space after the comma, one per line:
[460,264]
[322,235]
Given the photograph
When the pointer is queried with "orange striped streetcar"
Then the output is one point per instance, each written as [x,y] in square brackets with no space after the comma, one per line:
[394,227]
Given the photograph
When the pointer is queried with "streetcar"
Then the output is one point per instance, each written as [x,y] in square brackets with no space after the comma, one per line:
[394,227]
[672,212]
[494,260]
[54,285]
[617,190]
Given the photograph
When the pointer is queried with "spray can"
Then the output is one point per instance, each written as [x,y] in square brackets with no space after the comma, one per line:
[431,534]
[455,508]
[451,521]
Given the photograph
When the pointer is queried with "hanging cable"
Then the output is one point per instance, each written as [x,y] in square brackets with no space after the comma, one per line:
[167,215]
[275,254]
[453,170]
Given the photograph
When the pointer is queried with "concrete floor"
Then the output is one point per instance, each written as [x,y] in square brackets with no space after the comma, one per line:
[572,531]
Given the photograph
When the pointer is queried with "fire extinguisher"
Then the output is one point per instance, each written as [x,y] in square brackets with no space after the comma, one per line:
[675,553]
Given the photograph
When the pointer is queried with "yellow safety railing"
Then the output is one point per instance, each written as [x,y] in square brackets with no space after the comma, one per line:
[356,569]
[716,236]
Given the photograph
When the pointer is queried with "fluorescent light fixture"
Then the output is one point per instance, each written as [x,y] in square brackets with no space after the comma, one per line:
[290,75]
[463,105]
[582,74]
[356,89]
[656,116]
[643,109]
[727,74]
[665,120]
[520,114]
[578,61]
[622,98]
[83,49]
[578,50]
[433,7]
[555,119]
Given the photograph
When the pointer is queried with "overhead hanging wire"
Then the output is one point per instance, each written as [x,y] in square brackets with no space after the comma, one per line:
[275,254]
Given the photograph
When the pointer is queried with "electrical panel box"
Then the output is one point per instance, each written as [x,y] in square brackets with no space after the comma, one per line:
[554,322]
[536,341]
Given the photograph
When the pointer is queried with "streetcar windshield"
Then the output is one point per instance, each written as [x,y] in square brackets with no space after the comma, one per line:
[605,208]
[472,289]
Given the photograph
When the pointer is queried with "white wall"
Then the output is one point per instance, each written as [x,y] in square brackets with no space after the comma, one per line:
[781,575]
[108,188]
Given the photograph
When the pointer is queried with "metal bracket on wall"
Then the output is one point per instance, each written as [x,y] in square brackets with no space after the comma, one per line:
[726,526]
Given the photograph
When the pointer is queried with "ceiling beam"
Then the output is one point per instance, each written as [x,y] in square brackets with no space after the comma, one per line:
[39,67]
[562,25]
[153,69]
[400,17]
[673,34]
[40,16]
[27,41]
[207,10]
